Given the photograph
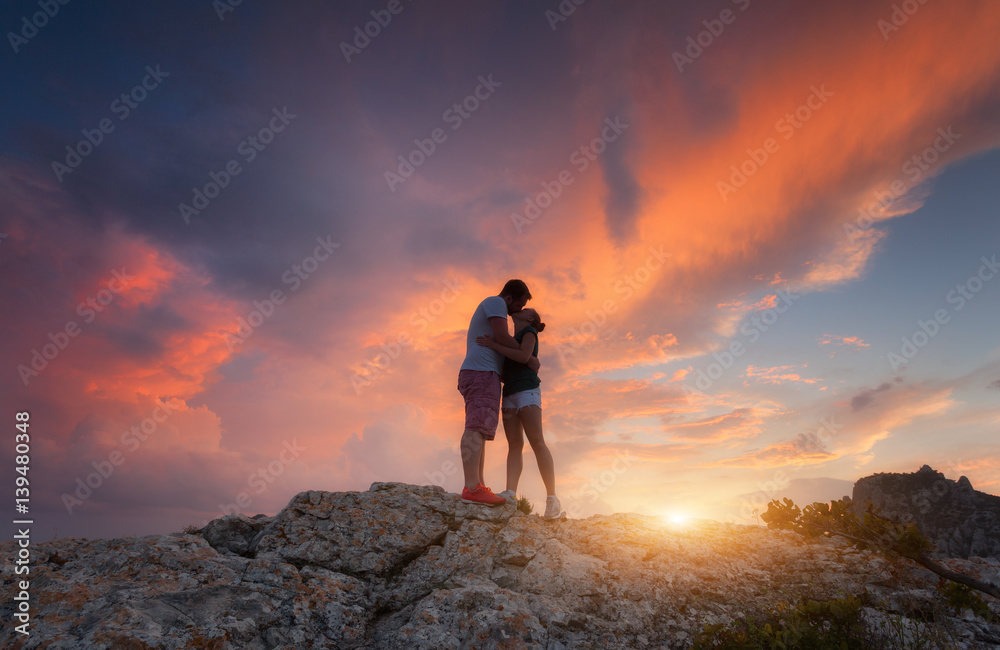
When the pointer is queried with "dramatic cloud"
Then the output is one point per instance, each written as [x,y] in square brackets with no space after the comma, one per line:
[866,397]
[688,232]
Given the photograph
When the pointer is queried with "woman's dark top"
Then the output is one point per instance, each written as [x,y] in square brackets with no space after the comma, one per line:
[518,376]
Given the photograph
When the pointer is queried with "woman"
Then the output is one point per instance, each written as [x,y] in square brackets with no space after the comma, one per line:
[522,408]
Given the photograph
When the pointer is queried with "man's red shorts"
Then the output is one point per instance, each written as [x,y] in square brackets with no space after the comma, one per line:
[481,390]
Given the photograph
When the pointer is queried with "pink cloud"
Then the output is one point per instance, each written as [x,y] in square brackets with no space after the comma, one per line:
[777,375]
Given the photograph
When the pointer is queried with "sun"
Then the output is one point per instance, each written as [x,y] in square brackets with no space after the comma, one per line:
[675,518]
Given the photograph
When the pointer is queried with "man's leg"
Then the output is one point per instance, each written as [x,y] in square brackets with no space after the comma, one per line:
[482,463]
[472,457]
[515,446]
[531,419]
[481,391]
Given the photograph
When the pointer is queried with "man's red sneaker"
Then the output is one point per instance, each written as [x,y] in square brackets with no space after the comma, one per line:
[483,496]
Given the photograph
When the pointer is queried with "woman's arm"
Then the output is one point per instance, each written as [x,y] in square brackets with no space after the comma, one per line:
[500,333]
[520,355]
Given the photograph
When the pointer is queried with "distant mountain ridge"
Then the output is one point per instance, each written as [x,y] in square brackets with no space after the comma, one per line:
[960,521]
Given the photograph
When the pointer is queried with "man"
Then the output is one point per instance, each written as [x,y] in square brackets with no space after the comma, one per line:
[479,383]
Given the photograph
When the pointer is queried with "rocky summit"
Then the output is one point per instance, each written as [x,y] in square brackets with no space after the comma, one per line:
[405,566]
[957,519]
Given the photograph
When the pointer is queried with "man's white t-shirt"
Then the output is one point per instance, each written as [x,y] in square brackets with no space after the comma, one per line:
[478,357]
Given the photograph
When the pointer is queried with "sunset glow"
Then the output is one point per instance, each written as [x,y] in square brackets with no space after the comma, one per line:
[676,518]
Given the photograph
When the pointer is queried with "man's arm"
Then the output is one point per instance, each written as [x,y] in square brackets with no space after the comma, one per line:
[520,355]
[500,333]
[503,337]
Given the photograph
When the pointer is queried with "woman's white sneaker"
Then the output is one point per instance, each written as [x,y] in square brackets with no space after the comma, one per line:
[552,509]
[509,495]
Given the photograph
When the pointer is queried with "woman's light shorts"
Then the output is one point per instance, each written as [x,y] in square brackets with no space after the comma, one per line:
[518,401]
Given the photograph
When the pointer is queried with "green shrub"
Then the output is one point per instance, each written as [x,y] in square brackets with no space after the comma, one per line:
[524,505]
[870,531]
[830,625]
[961,597]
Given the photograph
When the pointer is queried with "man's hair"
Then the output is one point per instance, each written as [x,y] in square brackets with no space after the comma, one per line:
[516,289]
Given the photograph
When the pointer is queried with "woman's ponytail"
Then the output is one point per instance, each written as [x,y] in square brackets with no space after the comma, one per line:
[538,325]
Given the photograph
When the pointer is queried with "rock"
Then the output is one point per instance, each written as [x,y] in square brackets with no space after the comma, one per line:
[480,615]
[556,570]
[959,520]
[369,534]
[235,533]
[471,550]
[405,566]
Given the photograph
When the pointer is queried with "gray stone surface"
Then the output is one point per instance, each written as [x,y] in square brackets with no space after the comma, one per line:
[961,522]
[238,534]
[404,566]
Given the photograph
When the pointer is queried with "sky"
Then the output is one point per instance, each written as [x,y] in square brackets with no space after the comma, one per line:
[240,245]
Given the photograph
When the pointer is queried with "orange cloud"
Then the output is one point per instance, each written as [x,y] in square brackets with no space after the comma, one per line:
[777,455]
[862,136]
[835,339]
[737,424]
[776,375]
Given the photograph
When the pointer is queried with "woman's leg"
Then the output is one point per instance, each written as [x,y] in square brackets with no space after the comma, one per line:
[515,445]
[531,420]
